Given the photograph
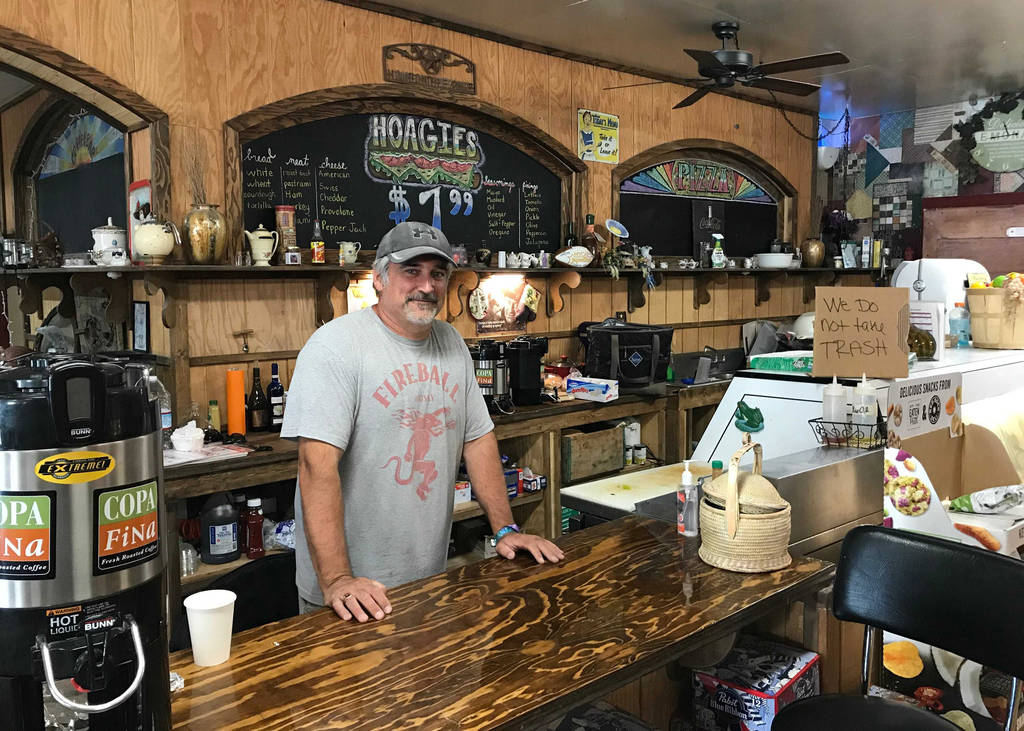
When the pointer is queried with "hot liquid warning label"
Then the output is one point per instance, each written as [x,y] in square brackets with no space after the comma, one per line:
[127,527]
[26,535]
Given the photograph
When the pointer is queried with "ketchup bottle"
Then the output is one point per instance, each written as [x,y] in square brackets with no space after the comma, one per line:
[254,528]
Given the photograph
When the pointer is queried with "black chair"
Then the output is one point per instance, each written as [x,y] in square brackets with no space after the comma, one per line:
[265,589]
[965,600]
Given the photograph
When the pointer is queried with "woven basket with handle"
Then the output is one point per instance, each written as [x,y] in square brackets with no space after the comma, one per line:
[744,523]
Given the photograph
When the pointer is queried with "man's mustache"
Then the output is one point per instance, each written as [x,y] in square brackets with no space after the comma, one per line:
[432,299]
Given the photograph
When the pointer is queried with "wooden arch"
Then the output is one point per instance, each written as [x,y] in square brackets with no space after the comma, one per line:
[756,168]
[371,98]
[66,75]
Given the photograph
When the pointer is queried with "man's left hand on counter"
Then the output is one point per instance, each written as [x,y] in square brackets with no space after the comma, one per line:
[542,549]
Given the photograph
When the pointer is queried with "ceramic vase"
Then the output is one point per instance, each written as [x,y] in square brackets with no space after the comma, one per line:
[813,252]
[205,234]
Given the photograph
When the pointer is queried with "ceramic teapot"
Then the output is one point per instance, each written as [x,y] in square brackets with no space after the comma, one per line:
[263,244]
[108,246]
[108,237]
[152,241]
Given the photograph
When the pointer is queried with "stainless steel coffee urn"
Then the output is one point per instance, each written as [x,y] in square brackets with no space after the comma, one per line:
[491,367]
[83,638]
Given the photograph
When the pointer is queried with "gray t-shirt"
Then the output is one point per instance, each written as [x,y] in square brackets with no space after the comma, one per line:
[401,410]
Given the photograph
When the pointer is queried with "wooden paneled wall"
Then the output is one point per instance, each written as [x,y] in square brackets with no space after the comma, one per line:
[219,308]
[978,233]
[14,122]
[204,62]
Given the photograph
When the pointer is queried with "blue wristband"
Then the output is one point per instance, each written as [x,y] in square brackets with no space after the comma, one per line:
[512,528]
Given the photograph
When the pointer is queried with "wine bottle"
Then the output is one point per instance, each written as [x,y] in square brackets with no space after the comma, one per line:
[589,238]
[275,394]
[570,237]
[259,407]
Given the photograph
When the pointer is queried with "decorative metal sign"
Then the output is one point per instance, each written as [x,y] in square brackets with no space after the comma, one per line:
[696,179]
[431,68]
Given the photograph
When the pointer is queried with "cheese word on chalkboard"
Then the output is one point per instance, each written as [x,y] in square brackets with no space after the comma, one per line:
[861,330]
[362,174]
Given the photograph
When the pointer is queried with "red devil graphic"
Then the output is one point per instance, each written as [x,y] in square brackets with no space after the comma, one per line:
[424,428]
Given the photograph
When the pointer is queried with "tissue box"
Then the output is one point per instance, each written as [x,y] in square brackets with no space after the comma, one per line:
[601,390]
[754,682]
[535,483]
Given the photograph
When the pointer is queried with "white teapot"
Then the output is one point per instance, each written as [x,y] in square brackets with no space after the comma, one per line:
[152,241]
[263,244]
[108,246]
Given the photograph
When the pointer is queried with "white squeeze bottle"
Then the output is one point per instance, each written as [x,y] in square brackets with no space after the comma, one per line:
[686,503]
[865,404]
[833,402]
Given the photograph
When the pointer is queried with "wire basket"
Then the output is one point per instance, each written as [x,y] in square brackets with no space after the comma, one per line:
[847,434]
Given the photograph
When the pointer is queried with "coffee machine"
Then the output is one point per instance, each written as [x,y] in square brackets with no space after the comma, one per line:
[83,637]
[491,368]
[524,356]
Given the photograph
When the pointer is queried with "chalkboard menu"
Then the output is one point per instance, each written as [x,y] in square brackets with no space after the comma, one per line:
[361,174]
[676,205]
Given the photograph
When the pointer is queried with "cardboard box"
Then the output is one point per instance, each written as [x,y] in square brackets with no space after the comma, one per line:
[534,483]
[601,390]
[755,681]
[514,482]
[463,492]
[933,456]
[1000,532]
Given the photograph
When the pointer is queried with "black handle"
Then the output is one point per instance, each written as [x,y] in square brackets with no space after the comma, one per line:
[80,429]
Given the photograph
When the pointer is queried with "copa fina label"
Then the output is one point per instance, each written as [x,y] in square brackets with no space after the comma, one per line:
[27,535]
[126,526]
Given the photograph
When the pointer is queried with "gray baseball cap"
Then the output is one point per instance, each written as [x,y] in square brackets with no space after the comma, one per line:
[411,239]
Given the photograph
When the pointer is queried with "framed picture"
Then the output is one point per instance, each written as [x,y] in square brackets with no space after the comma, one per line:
[140,327]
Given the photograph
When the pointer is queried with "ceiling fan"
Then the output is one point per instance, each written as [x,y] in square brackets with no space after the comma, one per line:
[725,67]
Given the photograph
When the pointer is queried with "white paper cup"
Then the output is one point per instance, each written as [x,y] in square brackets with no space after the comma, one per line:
[210,614]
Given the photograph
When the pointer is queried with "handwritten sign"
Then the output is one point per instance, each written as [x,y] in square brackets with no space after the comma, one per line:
[861,330]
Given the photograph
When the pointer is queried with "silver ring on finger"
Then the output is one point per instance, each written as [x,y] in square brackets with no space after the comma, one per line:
[345,596]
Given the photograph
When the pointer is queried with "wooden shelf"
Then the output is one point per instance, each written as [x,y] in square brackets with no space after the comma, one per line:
[463,559]
[207,572]
[649,465]
[472,509]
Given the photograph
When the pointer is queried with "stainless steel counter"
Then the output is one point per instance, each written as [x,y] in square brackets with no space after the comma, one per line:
[831,490]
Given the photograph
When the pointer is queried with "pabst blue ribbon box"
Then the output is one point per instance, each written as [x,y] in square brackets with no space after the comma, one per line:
[752,684]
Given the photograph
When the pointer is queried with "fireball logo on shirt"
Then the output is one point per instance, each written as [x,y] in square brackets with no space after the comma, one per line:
[424,428]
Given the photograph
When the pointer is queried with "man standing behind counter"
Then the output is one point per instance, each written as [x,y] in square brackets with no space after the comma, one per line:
[384,402]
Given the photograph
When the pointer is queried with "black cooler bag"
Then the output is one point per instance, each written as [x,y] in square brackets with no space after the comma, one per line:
[634,355]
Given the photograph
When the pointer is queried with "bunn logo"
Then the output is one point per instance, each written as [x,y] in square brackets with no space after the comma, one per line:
[75,467]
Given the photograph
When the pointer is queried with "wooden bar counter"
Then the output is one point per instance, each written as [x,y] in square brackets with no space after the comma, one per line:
[496,644]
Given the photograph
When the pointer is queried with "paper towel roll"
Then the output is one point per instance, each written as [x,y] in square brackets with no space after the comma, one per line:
[236,401]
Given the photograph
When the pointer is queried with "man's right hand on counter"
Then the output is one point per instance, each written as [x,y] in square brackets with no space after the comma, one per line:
[356,597]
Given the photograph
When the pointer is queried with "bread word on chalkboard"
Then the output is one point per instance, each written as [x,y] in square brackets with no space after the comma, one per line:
[362,174]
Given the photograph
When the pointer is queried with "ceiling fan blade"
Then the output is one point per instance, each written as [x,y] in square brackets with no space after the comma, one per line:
[707,63]
[785,86]
[694,97]
[639,83]
[804,62]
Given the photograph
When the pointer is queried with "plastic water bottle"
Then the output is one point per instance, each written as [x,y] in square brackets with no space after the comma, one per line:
[164,399]
[960,325]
